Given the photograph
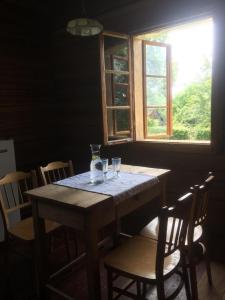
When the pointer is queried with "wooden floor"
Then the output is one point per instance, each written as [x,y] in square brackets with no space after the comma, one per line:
[77,289]
[217,292]
[75,284]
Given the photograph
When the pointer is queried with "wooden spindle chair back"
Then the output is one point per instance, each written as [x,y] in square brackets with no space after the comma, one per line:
[55,171]
[202,201]
[173,238]
[200,206]
[12,188]
[198,219]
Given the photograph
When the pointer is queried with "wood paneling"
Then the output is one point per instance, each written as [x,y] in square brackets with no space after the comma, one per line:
[26,107]
[76,73]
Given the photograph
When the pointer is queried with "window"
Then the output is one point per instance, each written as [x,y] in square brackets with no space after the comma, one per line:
[157,89]
[116,87]
[171,90]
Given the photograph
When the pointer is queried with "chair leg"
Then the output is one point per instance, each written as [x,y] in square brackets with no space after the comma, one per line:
[6,285]
[160,289]
[138,289]
[41,293]
[110,284]
[208,267]
[50,243]
[193,280]
[186,277]
[67,243]
[144,289]
[76,245]
[207,260]
[35,270]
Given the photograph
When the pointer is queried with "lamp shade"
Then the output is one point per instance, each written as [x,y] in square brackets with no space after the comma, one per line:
[84,27]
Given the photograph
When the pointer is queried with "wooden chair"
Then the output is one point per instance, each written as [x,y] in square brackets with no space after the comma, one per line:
[12,188]
[145,261]
[56,171]
[198,220]
[13,201]
[195,236]
[4,256]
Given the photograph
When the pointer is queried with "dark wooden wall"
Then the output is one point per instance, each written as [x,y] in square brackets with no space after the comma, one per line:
[77,95]
[26,106]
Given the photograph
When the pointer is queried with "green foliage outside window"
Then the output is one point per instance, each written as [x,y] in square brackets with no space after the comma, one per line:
[191,112]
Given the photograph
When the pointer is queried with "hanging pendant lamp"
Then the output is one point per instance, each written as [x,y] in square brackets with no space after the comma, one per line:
[84,26]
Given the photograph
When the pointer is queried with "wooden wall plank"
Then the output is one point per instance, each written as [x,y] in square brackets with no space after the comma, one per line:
[25,86]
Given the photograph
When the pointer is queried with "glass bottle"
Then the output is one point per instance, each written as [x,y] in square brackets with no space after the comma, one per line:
[96,167]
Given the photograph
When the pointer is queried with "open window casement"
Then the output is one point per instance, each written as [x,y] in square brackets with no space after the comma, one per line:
[116,87]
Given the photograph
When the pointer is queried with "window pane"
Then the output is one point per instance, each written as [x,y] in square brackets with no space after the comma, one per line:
[109,96]
[116,93]
[156,91]
[120,64]
[116,53]
[121,78]
[155,60]
[121,95]
[119,123]
[122,120]
[156,121]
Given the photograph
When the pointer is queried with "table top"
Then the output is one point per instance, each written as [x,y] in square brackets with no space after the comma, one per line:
[145,170]
[83,200]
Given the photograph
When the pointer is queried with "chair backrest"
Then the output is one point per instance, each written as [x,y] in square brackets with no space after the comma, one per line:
[12,188]
[173,238]
[200,205]
[4,229]
[56,171]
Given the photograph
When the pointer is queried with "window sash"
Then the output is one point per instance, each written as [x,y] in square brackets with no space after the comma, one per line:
[115,107]
[167,77]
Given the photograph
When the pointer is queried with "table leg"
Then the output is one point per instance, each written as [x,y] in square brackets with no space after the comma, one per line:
[92,261]
[40,250]
[117,229]
[163,193]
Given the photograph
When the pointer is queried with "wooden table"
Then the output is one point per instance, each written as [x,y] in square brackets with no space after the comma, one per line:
[87,212]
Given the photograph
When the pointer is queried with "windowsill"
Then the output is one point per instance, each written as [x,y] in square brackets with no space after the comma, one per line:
[178,145]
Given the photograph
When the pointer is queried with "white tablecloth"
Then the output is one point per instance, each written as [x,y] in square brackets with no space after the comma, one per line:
[122,187]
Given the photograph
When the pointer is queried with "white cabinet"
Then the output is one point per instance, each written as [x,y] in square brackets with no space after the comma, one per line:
[7,164]
[7,157]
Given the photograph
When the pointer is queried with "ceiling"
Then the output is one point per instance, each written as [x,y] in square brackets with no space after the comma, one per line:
[93,8]
[129,16]
[59,12]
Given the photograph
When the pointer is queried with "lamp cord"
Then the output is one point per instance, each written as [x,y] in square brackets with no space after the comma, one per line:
[84,12]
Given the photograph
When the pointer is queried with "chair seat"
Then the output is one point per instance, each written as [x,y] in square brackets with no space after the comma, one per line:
[151,230]
[24,228]
[137,257]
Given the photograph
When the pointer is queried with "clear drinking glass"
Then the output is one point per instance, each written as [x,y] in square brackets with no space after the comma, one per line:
[105,164]
[116,163]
